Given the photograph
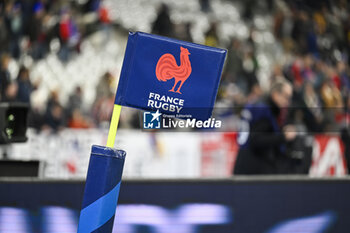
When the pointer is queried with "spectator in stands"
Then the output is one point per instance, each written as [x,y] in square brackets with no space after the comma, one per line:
[36,119]
[54,120]
[105,23]
[333,104]
[188,35]
[263,144]
[211,36]
[233,69]
[163,25]
[104,100]
[344,77]
[92,5]
[13,20]
[54,116]
[75,101]
[8,89]
[103,88]
[25,87]
[300,30]
[64,34]
[69,35]
[79,121]
[250,67]
[5,78]
[102,109]
[183,32]
[36,34]
[76,118]
[313,108]
[3,36]
[205,5]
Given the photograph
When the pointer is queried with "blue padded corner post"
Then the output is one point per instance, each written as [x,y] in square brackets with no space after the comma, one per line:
[101,190]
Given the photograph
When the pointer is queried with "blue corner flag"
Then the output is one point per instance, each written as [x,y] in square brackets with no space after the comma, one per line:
[175,77]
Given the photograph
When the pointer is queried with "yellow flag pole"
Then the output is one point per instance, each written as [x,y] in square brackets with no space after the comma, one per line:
[113,127]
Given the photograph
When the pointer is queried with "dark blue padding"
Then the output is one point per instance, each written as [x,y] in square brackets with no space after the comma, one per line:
[104,172]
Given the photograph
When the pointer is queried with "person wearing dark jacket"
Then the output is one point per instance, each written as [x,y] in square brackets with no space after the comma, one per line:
[163,25]
[264,135]
[25,87]
[5,78]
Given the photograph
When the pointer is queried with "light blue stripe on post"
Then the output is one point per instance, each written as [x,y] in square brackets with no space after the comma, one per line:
[99,212]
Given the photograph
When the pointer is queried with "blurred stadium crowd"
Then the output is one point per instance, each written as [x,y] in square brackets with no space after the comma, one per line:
[30,31]
[305,42]
[314,40]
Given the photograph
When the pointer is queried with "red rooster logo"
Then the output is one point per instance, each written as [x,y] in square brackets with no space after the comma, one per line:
[167,68]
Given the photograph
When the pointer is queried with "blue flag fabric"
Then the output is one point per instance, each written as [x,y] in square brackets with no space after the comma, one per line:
[175,77]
